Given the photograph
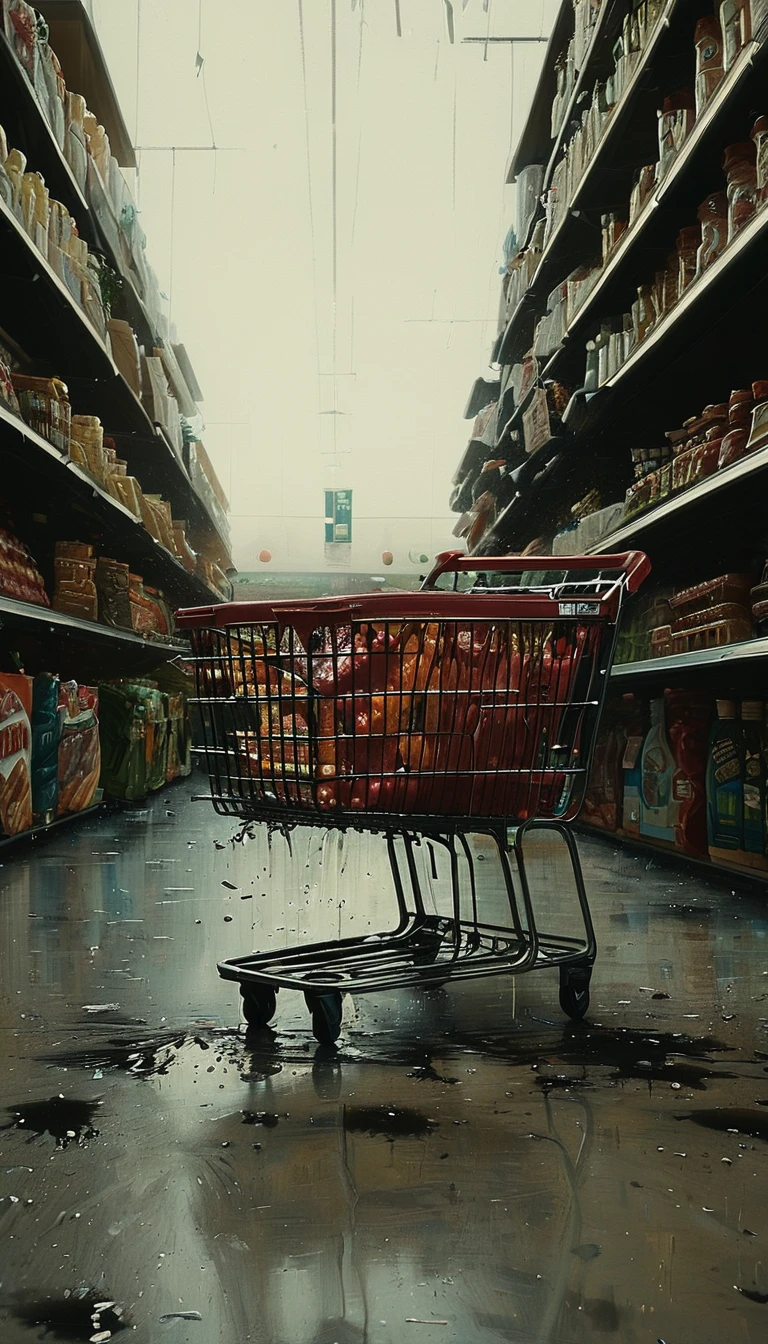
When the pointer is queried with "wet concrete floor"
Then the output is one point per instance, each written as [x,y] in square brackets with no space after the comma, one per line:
[468,1166]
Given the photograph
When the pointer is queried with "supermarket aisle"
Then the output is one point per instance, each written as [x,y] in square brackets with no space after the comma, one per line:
[466,1168]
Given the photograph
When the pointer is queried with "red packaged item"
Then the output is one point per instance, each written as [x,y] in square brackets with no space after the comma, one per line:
[79,750]
[733,446]
[689,716]
[15,753]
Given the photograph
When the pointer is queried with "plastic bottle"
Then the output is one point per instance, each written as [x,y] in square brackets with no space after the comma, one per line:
[657,771]
[725,780]
[752,715]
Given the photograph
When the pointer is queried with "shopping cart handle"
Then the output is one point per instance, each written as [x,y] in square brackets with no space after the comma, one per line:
[635,565]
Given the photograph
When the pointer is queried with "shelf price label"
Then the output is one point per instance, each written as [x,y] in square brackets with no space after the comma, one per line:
[338,516]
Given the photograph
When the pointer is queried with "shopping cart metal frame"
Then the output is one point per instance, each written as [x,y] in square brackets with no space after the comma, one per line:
[244,720]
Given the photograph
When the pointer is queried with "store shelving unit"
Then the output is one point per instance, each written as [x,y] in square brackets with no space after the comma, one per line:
[44,320]
[709,342]
[750,879]
[693,324]
[39,832]
[50,497]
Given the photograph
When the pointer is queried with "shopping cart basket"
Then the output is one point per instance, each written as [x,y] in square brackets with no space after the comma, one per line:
[437,713]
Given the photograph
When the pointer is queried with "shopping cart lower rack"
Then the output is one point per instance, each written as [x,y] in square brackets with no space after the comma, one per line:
[458,709]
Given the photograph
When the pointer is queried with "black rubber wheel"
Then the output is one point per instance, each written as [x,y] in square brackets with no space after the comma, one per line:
[326,1015]
[259,1004]
[574,990]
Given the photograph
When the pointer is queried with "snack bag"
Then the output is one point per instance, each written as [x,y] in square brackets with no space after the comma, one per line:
[15,753]
[46,730]
[79,751]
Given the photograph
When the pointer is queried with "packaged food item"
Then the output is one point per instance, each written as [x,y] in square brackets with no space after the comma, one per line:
[21,31]
[736,27]
[79,758]
[758,434]
[88,431]
[657,767]
[183,549]
[740,168]
[688,719]
[15,167]
[759,137]
[632,770]
[713,217]
[51,89]
[603,801]
[125,352]
[75,587]
[645,181]
[733,446]
[123,732]
[708,41]
[725,781]
[179,761]
[75,149]
[754,793]
[613,227]
[8,396]
[15,753]
[112,588]
[19,575]
[34,210]
[46,731]
[44,406]
[688,244]
[676,120]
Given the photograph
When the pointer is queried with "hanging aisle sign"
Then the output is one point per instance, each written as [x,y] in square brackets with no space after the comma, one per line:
[338,516]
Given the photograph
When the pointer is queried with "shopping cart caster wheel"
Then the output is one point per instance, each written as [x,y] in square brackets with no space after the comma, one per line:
[574,990]
[326,1015]
[259,1004]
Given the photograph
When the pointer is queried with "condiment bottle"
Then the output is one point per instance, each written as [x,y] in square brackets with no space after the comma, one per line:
[739,168]
[713,217]
[708,41]
[676,119]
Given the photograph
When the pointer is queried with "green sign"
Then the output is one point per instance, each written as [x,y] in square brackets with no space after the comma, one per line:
[338,515]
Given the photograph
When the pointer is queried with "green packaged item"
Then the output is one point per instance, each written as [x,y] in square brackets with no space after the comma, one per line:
[122,716]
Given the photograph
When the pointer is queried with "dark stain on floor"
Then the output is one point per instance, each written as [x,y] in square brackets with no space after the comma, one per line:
[66,1119]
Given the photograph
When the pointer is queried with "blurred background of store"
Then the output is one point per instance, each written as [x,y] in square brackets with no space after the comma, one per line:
[337,292]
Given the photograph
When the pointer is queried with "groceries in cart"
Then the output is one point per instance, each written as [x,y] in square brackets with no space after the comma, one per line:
[438,713]
[418,716]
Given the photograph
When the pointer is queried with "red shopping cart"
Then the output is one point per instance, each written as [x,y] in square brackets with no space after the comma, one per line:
[470,706]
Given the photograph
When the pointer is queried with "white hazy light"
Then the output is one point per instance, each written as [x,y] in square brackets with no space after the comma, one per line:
[244,245]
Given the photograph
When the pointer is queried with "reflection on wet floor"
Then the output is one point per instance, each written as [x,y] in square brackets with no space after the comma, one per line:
[467,1166]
